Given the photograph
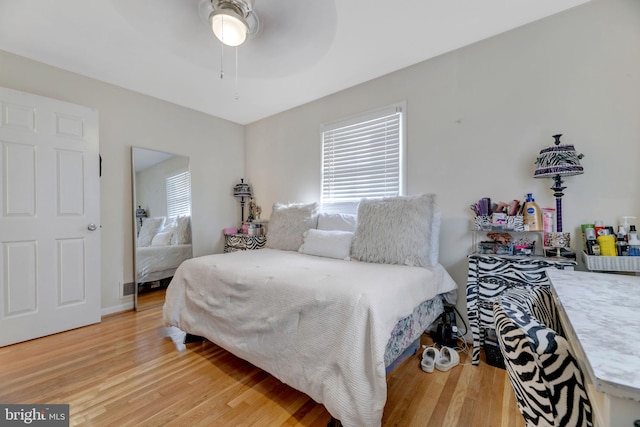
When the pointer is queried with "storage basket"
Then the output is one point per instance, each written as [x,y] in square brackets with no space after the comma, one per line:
[513,223]
[611,263]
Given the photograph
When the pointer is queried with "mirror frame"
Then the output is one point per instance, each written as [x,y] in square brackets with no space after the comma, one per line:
[135,153]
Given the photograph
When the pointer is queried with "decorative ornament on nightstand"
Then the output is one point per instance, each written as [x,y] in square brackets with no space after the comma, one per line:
[555,162]
[242,190]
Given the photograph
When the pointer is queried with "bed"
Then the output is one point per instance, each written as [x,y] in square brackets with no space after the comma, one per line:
[328,325]
[162,245]
[160,262]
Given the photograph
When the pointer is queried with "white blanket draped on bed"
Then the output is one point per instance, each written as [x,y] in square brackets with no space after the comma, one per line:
[318,324]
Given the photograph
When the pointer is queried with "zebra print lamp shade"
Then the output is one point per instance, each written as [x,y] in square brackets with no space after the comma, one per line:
[557,161]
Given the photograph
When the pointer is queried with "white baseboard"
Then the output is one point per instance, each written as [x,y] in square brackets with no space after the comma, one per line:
[117,309]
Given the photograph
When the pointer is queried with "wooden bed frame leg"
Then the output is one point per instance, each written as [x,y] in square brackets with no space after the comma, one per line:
[192,338]
[334,423]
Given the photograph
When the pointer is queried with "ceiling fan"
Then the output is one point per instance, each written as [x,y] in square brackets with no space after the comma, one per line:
[284,37]
[232,21]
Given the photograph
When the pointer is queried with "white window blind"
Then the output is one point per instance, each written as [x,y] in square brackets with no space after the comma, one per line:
[362,157]
[179,194]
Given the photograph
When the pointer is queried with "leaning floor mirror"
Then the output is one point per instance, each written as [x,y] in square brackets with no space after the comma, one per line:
[161,221]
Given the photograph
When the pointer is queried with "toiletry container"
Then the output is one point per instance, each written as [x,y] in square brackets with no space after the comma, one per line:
[548,223]
[621,242]
[599,226]
[627,226]
[532,214]
[592,243]
[583,227]
[607,245]
[634,242]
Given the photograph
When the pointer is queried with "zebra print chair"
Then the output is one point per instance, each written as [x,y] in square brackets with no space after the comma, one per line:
[544,374]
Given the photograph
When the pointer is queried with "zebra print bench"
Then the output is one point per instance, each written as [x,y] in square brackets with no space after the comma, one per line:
[545,376]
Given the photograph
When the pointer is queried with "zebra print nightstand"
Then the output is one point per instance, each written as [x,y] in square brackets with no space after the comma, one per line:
[490,275]
[243,242]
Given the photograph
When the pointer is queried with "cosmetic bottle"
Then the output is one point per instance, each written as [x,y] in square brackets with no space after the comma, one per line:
[607,245]
[532,214]
[627,225]
[634,242]
[592,244]
[622,246]
[599,226]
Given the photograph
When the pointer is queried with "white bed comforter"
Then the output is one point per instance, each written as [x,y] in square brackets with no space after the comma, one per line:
[318,324]
[156,259]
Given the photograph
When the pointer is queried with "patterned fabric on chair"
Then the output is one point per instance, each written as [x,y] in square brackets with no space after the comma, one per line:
[538,302]
[545,376]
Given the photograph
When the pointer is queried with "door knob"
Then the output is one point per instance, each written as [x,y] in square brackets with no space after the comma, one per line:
[91,227]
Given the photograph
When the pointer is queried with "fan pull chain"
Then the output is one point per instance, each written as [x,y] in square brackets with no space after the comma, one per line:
[222,52]
[237,95]
[221,60]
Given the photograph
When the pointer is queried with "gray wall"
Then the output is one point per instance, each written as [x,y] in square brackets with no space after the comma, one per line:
[477,118]
[215,148]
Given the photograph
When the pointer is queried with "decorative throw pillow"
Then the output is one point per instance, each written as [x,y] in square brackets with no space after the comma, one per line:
[327,243]
[162,239]
[182,233]
[288,223]
[395,230]
[337,221]
[149,229]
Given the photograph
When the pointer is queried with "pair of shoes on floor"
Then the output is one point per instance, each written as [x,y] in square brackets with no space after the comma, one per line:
[443,359]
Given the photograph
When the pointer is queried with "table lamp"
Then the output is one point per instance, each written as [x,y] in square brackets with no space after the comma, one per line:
[140,213]
[555,162]
[242,190]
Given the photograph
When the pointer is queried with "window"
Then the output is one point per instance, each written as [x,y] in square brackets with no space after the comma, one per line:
[363,157]
[179,194]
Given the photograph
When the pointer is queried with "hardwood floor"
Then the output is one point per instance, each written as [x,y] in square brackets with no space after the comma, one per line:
[125,371]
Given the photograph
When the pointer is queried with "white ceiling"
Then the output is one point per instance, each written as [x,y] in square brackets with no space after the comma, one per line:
[304,51]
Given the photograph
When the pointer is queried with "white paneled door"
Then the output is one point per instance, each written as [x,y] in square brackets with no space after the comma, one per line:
[49,216]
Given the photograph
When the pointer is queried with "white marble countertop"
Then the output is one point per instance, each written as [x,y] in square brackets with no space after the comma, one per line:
[604,312]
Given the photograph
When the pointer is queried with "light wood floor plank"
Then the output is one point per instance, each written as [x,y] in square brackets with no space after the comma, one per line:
[128,371]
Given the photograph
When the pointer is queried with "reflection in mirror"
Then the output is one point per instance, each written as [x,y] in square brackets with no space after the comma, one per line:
[161,221]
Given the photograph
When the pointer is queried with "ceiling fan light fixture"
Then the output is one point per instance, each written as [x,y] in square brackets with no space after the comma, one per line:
[229,26]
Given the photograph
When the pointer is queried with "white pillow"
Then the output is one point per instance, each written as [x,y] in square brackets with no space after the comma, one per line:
[150,227]
[288,223]
[166,228]
[327,243]
[169,223]
[162,239]
[337,221]
[395,230]
[182,233]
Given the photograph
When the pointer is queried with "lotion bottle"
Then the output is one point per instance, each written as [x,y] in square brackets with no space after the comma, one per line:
[634,242]
[607,245]
[532,214]
[627,226]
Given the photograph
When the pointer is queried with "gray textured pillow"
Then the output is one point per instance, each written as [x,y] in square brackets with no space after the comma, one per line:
[395,230]
[182,233]
[288,223]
